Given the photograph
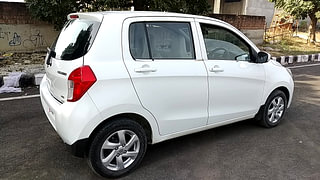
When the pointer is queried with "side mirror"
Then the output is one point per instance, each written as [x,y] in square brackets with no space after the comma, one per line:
[263,57]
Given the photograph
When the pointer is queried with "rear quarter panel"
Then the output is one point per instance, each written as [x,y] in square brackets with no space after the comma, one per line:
[113,93]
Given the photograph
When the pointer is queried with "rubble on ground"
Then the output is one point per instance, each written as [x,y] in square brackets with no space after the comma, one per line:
[22,62]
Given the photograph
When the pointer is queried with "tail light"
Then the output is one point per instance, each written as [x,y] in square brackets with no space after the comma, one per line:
[73,16]
[79,81]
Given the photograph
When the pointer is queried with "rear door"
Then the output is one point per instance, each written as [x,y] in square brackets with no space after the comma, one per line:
[163,58]
[73,42]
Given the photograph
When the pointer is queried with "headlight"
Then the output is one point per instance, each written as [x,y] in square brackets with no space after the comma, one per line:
[289,71]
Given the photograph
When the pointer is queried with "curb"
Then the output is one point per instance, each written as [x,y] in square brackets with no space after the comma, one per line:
[285,60]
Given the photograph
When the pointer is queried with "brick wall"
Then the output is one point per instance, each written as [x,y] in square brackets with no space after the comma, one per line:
[242,22]
[16,13]
[20,32]
[251,26]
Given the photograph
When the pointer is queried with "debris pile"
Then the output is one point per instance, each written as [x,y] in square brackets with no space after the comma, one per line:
[11,83]
[21,62]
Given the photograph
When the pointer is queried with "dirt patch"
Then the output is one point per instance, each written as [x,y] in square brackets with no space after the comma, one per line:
[290,46]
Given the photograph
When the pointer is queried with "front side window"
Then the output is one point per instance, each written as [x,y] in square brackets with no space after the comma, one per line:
[222,44]
[161,40]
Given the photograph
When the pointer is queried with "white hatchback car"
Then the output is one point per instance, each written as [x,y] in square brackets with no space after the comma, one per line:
[117,81]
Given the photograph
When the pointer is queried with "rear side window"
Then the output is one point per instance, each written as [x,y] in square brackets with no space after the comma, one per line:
[161,40]
[138,41]
[75,39]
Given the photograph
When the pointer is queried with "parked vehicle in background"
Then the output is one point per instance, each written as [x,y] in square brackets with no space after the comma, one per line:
[117,81]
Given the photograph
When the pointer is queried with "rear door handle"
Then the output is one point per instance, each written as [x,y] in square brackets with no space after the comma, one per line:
[216,69]
[145,69]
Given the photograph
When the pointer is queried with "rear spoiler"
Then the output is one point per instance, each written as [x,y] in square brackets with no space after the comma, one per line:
[90,16]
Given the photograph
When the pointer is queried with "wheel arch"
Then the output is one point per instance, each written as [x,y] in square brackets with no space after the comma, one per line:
[81,147]
[132,116]
[260,114]
[282,88]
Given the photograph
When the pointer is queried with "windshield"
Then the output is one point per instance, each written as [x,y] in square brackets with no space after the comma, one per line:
[75,39]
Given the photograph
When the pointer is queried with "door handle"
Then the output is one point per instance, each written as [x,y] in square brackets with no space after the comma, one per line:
[145,69]
[216,69]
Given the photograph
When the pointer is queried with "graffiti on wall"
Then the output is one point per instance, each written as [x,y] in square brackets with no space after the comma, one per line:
[4,34]
[35,40]
[16,40]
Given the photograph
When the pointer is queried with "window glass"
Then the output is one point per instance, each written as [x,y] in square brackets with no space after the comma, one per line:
[222,44]
[170,40]
[166,40]
[138,41]
[75,39]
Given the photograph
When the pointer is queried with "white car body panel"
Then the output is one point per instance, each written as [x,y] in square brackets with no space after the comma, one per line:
[229,90]
[277,76]
[235,92]
[69,119]
[113,93]
[57,76]
[180,86]
[58,72]
[193,104]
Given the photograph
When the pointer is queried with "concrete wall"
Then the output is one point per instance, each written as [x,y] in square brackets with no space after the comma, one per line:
[251,27]
[19,32]
[26,37]
[260,8]
[256,36]
[233,8]
[246,7]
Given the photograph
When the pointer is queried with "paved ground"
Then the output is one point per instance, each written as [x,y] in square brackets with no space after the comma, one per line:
[30,148]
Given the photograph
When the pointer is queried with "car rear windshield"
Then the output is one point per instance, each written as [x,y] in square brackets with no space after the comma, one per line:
[75,39]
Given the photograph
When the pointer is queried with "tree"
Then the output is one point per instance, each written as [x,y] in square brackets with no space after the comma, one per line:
[302,9]
[56,11]
[198,7]
[52,11]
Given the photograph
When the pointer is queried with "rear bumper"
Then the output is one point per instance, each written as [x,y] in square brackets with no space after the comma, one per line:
[73,121]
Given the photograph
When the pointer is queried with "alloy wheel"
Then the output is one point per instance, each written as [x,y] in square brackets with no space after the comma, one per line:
[120,150]
[276,109]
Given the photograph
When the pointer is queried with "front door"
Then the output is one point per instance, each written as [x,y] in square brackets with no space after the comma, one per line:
[235,82]
[167,71]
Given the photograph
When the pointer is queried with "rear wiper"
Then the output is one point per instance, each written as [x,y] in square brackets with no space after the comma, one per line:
[51,54]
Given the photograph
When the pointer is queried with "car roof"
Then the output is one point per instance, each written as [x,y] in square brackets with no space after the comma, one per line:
[149,13]
[128,14]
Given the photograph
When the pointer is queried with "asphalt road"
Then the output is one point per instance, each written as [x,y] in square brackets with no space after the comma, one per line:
[31,149]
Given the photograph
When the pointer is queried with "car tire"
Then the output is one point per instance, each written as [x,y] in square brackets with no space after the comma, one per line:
[271,114]
[117,148]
